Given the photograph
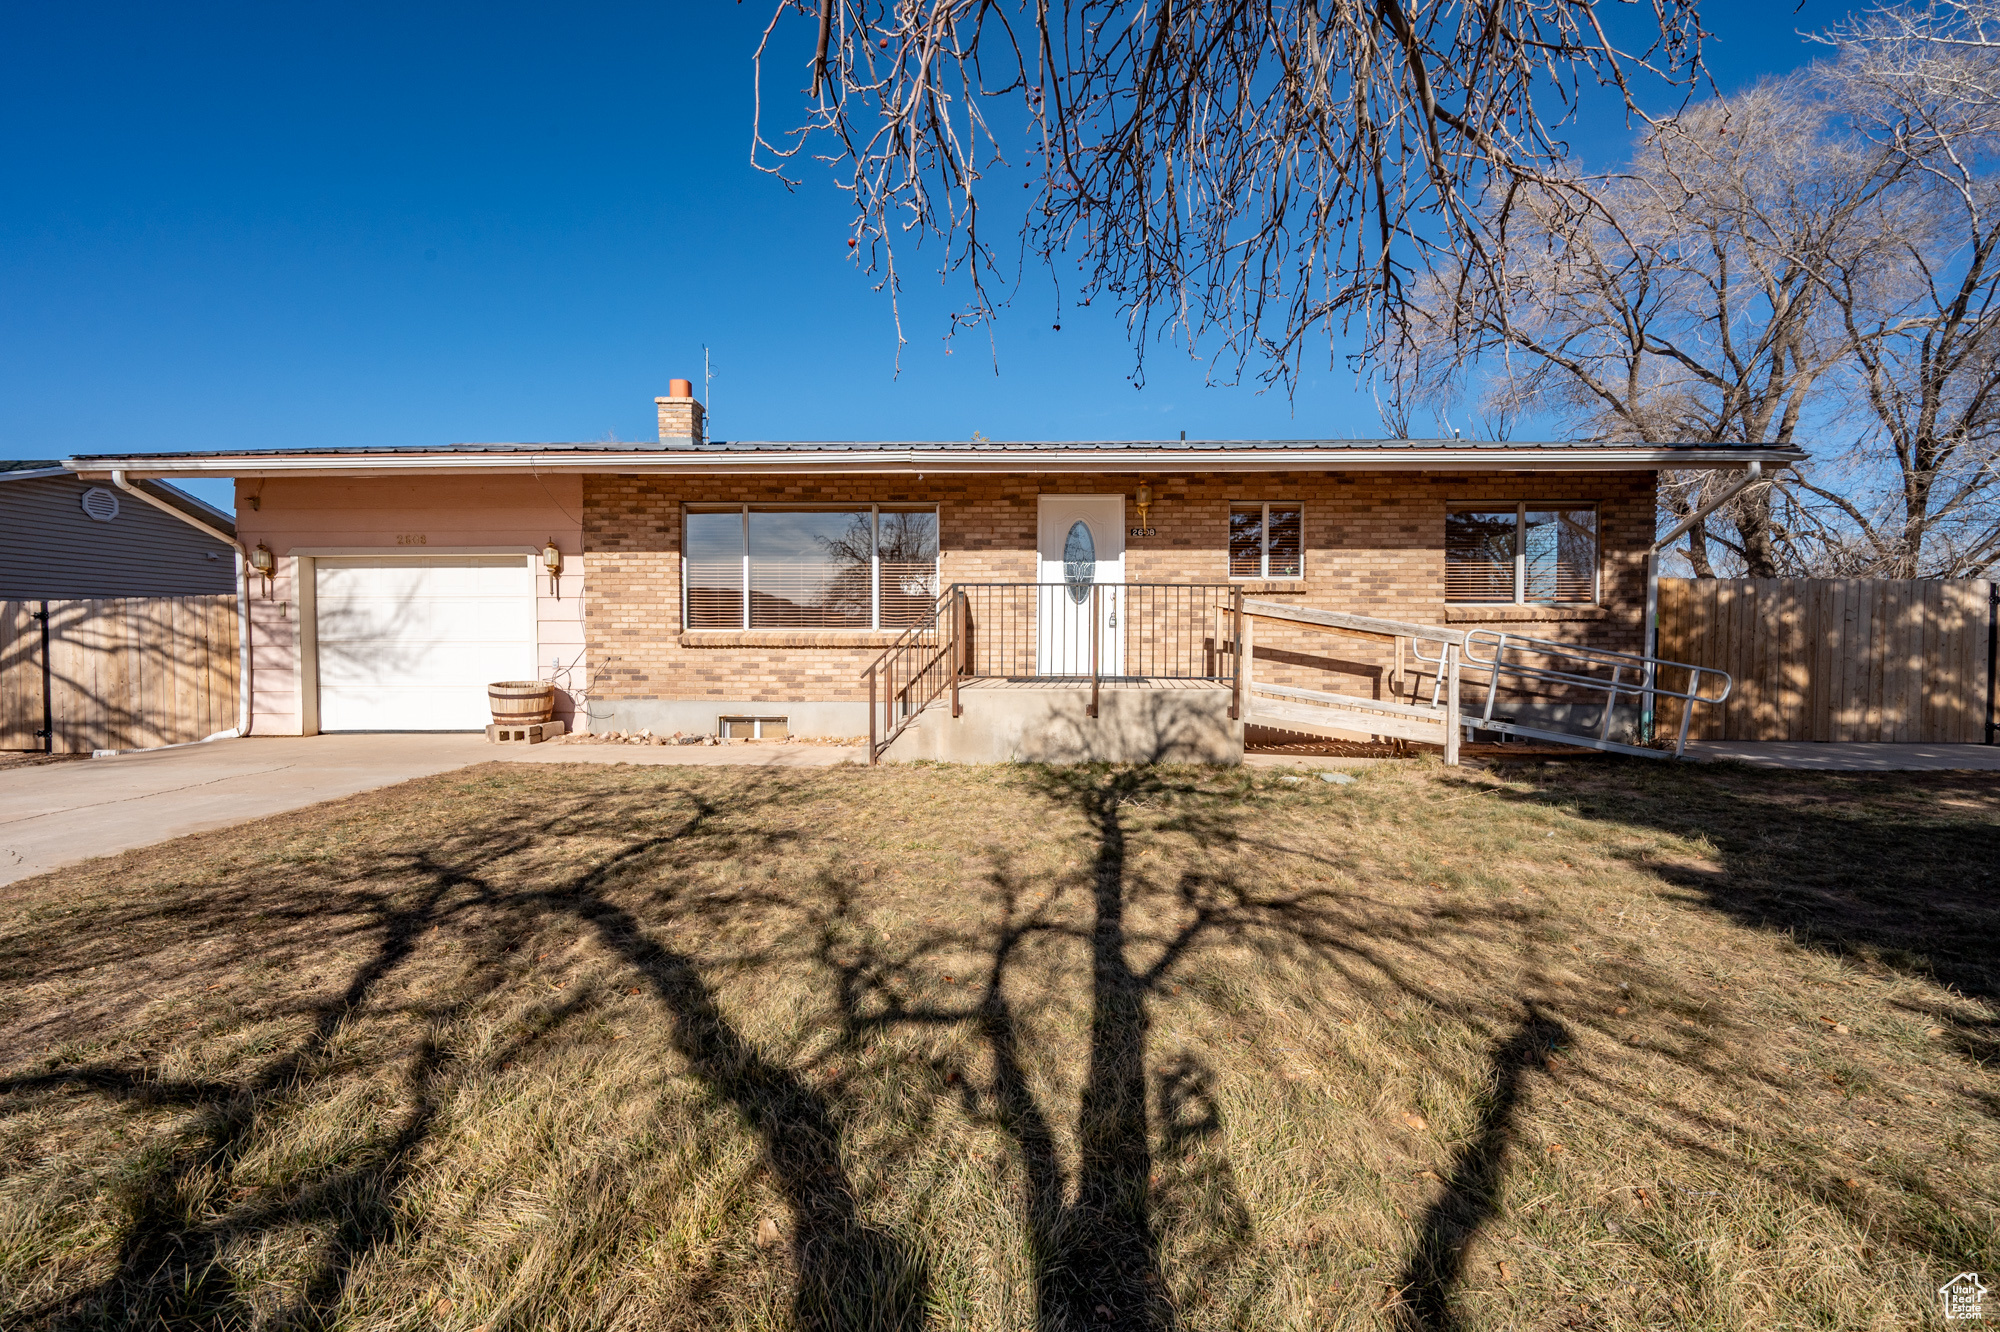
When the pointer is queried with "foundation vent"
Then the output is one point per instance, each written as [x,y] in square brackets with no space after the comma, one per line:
[752,728]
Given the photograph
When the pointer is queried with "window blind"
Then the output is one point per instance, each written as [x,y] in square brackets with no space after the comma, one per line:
[1246,541]
[1479,555]
[712,545]
[906,545]
[810,570]
[1559,555]
[1284,543]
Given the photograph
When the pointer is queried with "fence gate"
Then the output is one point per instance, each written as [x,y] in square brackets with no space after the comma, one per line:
[1834,658]
[122,673]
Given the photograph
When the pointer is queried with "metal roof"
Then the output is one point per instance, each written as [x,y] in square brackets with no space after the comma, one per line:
[944,457]
[976,446]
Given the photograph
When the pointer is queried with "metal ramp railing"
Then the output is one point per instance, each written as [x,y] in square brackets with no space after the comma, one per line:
[1546,670]
[1580,677]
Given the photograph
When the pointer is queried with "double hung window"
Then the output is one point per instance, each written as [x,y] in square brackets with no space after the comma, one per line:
[1536,554]
[763,567]
[1266,541]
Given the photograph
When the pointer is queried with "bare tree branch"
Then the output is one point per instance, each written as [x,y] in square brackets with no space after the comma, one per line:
[1252,174]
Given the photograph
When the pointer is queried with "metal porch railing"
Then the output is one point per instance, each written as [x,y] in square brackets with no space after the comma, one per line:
[1113,632]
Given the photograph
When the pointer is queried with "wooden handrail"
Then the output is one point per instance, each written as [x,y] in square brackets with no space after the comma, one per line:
[1354,624]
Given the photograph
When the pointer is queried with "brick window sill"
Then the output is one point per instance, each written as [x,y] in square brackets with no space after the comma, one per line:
[1521,614]
[1270,587]
[788,638]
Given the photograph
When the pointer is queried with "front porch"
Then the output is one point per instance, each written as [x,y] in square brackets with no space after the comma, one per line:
[1173,673]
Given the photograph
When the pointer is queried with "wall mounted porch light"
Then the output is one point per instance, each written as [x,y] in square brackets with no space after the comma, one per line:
[552,561]
[264,563]
[1145,504]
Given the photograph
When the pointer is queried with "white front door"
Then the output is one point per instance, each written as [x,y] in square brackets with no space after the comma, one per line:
[410,643]
[1081,544]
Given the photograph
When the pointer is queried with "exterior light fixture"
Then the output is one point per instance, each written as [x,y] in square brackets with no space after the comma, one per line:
[1145,504]
[552,561]
[264,563]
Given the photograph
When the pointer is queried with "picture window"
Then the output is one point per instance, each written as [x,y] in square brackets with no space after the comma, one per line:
[756,567]
[1526,554]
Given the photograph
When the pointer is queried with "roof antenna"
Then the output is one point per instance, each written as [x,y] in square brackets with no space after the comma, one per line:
[707,396]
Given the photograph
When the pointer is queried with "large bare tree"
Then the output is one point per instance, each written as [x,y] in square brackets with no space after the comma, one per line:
[1919,495]
[1689,307]
[1816,255]
[1251,175]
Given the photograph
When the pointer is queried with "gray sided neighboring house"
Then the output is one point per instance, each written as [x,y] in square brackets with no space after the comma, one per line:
[63,537]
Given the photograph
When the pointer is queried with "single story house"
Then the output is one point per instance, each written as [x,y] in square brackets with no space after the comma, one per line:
[62,537]
[699,585]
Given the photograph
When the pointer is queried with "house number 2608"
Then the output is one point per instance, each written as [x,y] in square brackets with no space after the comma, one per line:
[412,539]
[1143,531]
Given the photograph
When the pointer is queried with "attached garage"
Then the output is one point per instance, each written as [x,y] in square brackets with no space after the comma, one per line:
[409,643]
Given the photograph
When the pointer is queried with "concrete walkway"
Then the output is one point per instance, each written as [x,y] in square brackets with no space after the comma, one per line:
[56,814]
[1807,756]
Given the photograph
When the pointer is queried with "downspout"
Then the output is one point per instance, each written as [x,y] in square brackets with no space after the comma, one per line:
[1751,475]
[242,594]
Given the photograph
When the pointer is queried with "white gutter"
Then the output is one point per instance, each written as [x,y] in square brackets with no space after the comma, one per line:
[242,596]
[1751,475]
[930,462]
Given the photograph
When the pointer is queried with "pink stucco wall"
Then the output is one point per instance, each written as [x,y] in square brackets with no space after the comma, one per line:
[291,514]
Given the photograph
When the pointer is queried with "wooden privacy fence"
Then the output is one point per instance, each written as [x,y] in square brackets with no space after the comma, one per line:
[123,673]
[1833,658]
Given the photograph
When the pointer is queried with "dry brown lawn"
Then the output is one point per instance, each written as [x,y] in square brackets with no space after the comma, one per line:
[1603,1044]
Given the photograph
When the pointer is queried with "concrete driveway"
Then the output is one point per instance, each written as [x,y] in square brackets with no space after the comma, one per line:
[56,814]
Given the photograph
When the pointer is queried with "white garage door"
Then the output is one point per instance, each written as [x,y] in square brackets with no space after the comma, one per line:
[410,644]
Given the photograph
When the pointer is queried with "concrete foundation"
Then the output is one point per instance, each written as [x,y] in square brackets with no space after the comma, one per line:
[702,716]
[1049,724]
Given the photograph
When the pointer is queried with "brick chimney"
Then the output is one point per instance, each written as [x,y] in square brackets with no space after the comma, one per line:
[680,416]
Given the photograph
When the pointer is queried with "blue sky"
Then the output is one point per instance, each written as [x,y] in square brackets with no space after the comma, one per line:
[248,227]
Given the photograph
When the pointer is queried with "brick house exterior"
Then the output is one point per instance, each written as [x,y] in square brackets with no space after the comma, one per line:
[1374,544]
[609,626]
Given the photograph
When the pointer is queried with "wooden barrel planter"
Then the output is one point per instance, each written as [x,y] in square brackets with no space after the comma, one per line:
[521,702]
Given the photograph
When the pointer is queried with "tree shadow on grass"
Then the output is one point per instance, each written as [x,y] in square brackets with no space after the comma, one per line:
[1868,866]
[1094,1240]
[1099,1232]
[849,1275]
[1471,1192]
[173,1269]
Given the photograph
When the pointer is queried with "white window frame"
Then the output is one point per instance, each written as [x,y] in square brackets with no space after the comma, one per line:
[874,559]
[1264,542]
[1521,549]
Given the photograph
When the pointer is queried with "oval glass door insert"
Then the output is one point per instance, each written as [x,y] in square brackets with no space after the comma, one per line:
[1079,562]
